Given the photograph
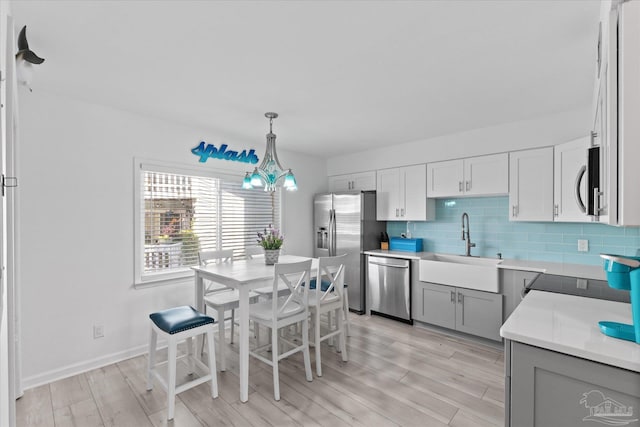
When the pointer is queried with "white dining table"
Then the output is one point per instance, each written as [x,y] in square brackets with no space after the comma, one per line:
[244,276]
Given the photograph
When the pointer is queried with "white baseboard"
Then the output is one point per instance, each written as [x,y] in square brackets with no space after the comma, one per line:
[78,368]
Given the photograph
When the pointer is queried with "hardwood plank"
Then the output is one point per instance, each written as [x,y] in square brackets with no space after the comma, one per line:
[84,413]
[212,412]
[183,417]
[70,390]
[433,366]
[486,410]
[116,401]
[134,372]
[376,398]
[396,375]
[426,403]
[261,411]
[343,405]
[466,419]
[495,395]
[34,408]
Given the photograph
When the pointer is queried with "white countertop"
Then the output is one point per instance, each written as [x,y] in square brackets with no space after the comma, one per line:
[397,254]
[569,324]
[595,272]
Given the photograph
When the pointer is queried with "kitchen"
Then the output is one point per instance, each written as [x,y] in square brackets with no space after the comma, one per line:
[106,136]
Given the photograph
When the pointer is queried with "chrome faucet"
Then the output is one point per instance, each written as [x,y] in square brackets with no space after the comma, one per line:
[467,237]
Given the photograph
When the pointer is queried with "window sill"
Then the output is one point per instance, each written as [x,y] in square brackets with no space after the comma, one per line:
[152,281]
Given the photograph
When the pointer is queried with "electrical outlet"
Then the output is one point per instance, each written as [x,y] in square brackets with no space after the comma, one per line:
[98,331]
[583,246]
[582,283]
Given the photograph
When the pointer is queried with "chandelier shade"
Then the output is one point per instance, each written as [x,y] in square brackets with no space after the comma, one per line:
[270,174]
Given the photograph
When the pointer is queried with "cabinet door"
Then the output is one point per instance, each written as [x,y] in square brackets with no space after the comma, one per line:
[486,175]
[365,181]
[340,183]
[606,127]
[413,200]
[570,181]
[531,185]
[553,389]
[435,304]
[445,179]
[387,197]
[479,313]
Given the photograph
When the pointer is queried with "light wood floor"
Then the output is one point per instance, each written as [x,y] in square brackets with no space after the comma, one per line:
[396,375]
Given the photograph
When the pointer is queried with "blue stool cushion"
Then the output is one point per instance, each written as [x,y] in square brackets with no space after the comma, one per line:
[324,285]
[178,319]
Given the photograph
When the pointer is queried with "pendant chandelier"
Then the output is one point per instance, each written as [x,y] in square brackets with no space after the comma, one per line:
[270,174]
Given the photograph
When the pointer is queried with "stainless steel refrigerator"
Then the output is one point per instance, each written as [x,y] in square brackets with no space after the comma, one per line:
[345,223]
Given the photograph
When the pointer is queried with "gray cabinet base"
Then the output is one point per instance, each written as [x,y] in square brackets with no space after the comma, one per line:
[554,389]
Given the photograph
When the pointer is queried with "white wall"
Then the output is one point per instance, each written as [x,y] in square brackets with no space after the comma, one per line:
[76,228]
[539,132]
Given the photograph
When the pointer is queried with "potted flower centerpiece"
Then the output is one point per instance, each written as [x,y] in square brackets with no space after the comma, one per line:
[271,241]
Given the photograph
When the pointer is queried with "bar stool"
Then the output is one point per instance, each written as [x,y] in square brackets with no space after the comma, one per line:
[177,324]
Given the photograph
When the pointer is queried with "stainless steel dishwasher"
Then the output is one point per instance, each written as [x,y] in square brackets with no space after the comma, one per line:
[389,287]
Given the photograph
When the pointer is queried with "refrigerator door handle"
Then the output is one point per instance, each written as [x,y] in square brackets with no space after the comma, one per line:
[332,232]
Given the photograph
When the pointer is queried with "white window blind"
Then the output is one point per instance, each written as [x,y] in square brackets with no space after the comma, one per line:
[182,213]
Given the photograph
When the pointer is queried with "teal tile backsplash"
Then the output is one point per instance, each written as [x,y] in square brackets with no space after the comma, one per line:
[492,232]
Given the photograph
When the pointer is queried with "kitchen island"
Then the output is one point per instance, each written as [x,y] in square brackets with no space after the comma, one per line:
[561,370]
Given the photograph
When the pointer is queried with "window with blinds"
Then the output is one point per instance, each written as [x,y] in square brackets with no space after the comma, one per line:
[181,214]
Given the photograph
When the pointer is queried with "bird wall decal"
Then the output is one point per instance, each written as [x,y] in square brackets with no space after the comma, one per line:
[23,49]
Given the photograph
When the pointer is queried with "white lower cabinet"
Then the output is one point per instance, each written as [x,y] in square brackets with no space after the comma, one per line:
[465,310]
[531,185]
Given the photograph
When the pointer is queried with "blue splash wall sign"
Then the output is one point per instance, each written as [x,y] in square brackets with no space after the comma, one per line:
[206,151]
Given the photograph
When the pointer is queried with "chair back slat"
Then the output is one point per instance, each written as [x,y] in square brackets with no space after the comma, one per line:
[214,257]
[252,252]
[331,271]
[294,276]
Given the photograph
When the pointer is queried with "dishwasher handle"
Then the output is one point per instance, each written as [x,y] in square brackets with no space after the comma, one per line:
[389,262]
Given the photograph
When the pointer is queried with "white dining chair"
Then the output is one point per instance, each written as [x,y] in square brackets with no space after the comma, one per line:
[221,299]
[281,312]
[327,294]
[255,252]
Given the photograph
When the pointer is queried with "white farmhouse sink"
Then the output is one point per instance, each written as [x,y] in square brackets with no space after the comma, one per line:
[461,271]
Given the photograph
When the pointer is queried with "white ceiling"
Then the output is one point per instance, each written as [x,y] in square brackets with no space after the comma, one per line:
[343,75]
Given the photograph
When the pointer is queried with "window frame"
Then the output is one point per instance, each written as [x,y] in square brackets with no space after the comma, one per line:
[186,274]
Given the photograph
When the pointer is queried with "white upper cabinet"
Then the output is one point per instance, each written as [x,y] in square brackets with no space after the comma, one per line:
[570,181]
[474,176]
[616,128]
[363,181]
[402,195]
[445,179]
[486,175]
[531,185]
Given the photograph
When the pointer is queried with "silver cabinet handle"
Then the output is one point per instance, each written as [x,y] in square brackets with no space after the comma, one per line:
[460,186]
[401,211]
[577,185]
[460,298]
[397,210]
[453,296]
[467,185]
[555,210]
[513,211]
[596,201]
